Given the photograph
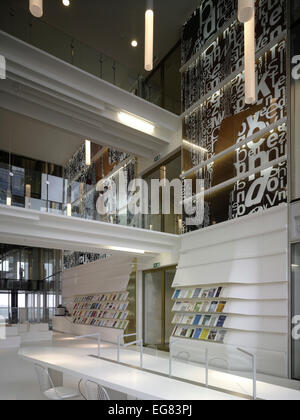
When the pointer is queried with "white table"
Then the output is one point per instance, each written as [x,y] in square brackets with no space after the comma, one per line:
[127,380]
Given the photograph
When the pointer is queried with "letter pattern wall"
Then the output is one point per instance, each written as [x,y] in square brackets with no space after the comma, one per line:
[217,118]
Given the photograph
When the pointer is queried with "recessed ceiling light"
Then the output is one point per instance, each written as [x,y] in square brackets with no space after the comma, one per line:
[66,2]
[137,123]
[134,43]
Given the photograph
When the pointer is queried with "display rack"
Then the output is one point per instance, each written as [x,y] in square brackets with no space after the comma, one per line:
[108,310]
[199,314]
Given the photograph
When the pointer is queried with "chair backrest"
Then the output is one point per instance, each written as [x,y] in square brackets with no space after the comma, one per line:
[95,391]
[43,378]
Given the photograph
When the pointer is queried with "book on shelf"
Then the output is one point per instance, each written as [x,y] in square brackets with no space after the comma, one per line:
[194,293]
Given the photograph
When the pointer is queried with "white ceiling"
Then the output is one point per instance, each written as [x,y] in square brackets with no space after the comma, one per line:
[109,26]
[28,137]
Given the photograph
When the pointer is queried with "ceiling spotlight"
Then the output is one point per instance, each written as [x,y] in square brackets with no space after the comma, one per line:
[66,2]
[134,43]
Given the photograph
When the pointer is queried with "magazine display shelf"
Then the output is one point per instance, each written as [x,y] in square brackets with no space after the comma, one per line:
[106,310]
[199,314]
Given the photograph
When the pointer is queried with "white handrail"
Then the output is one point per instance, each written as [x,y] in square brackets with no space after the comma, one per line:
[140,342]
[253,357]
[171,355]
[92,335]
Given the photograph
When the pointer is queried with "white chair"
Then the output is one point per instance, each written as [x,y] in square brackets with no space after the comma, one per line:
[95,391]
[49,390]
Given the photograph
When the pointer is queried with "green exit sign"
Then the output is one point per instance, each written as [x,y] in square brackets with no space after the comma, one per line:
[156,265]
[157,158]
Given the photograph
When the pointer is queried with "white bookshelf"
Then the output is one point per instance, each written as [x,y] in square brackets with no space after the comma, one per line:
[105,310]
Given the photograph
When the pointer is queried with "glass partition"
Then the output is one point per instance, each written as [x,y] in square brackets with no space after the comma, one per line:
[162,87]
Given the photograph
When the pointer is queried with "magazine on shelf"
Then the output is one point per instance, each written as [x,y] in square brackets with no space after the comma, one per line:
[221,321]
[211,293]
[197,333]
[206,320]
[213,321]
[197,320]
[221,306]
[197,293]
[205,333]
[213,307]
[212,335]
[221,336]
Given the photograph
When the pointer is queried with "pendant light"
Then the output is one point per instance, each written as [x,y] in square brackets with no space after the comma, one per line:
[69,209]
[28,196]
[246,15]
[36,8]
[8,198]
[88,153]
[149,36]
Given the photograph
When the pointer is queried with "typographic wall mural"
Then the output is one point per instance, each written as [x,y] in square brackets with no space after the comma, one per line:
[74,259]
[81,180]
[218,121]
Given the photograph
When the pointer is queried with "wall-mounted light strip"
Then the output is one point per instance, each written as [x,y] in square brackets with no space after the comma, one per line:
[236,179]
[88,153]
[149,36]
[194,146]
[36,8]
[234,147]
[136,123]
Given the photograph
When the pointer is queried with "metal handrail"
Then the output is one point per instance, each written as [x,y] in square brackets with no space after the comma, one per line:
[92,335]
[140,342]
[254,368]
[171,355]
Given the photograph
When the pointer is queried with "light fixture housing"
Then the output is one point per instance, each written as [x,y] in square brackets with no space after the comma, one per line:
[69,209]
[149,36]
[27,195]
[135,122]
[8,198]
[246,9]
[36,8]
[88,153]
[2,67]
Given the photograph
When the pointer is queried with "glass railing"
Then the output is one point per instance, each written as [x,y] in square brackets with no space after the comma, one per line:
[33,315]
[22,25]
[50,196]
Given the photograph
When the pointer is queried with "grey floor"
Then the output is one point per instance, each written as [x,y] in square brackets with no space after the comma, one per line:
[18,378]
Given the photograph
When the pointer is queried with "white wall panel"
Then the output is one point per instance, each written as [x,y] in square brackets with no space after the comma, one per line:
[248,257]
